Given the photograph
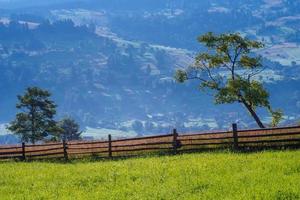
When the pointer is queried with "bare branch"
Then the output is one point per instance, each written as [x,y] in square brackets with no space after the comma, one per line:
[254,73]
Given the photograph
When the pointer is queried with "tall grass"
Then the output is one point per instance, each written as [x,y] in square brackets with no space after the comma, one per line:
[221,175]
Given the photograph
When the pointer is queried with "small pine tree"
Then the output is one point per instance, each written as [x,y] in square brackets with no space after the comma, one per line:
[35,122]
[70,129]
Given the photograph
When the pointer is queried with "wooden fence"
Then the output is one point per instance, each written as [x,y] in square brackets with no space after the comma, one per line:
[284,137]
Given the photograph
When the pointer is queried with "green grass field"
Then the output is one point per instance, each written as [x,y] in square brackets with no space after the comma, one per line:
[219,175]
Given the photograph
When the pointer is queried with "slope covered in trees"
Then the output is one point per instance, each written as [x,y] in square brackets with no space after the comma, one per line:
[122,76]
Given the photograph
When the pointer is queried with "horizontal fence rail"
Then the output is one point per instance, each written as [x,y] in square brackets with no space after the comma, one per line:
[282,137]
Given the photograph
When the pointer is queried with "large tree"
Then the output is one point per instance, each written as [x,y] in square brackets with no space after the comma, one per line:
[229,68]
[35,121]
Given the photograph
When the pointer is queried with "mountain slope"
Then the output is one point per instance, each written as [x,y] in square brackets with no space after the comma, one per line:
[111,63]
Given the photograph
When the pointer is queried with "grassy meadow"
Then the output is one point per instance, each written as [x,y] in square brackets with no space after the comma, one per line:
[218,175]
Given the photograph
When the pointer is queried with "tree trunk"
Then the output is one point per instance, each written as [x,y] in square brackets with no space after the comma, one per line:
[253,114]
[33,130]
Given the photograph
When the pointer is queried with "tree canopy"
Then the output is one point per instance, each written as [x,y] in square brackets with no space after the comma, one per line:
[35,121]
[70,129]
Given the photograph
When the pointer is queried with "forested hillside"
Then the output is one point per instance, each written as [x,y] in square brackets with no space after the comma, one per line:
[110,64]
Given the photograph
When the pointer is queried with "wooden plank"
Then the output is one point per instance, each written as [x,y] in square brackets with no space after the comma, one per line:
[10,153]
[46,157]
[9,157]
[269,135]
[202,149]
[143,149]
[142,144]
[44,150]
[267,129]
[92,152]
[143,138]
[270,141]
[272,146]
[87,143]
[98,155]
[9,148]
[205,139]
[205,134]
[211,143]
[86,148]
[43,155]
[43,145]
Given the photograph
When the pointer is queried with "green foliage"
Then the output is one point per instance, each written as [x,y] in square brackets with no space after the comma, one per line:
[229,68]
[70,129]
[276,117]
[250,63]
[35,122]
[181,76]
[262,175]
[253,93]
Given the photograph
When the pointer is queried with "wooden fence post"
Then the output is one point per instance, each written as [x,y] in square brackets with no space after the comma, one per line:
[65,146]
[23,151]
[175,142]
[235,137]
[109,147]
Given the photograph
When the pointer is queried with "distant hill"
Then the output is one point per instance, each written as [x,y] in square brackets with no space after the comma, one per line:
[110,64]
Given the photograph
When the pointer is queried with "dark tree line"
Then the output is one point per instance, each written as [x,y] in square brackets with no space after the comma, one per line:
[16,31]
